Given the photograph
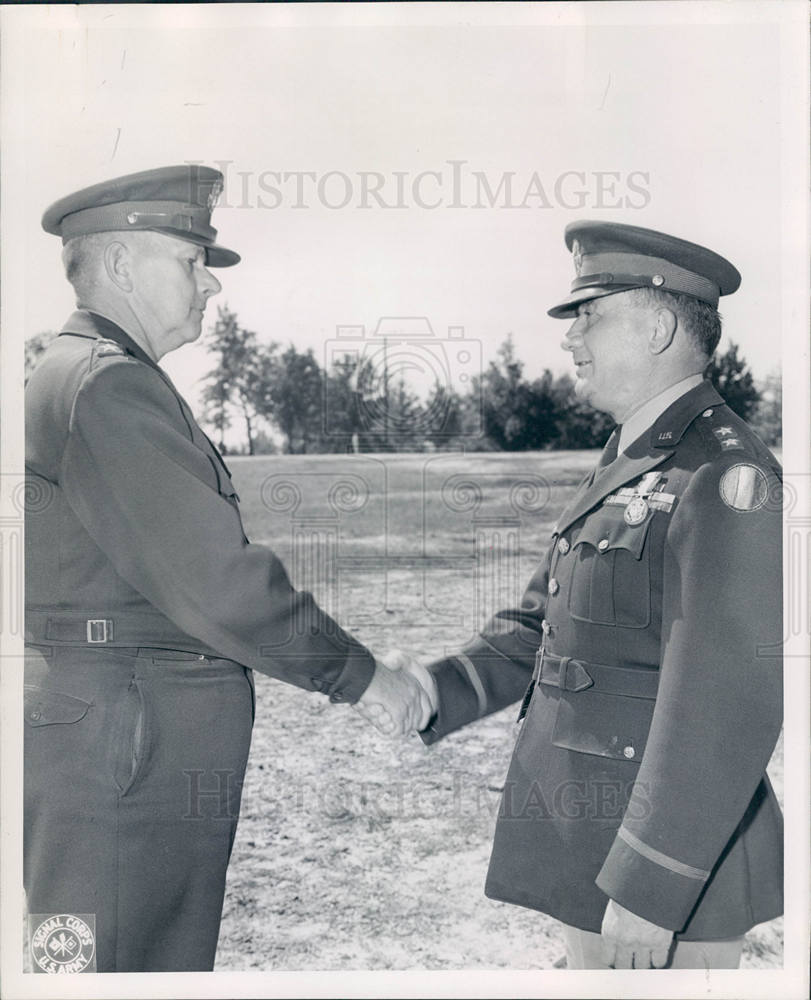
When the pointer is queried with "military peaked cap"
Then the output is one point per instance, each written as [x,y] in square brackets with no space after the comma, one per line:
[176,201]
[610,257]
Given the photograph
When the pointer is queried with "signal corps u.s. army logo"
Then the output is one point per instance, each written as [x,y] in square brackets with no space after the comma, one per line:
[63,942]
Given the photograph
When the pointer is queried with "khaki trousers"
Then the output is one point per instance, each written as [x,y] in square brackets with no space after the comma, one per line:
[583,952]
[134,761]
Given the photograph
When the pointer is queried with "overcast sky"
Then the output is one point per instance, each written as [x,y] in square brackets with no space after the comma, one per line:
[648,120]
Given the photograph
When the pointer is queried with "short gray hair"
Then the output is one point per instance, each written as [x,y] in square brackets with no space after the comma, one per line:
[700,320]
[81,257]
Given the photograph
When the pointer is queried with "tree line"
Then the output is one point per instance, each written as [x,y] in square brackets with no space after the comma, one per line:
[287,401]
[283,400]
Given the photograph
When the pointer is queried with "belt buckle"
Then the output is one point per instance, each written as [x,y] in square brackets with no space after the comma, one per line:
[99,630]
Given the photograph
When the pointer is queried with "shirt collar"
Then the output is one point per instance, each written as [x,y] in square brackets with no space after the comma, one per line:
[647,414]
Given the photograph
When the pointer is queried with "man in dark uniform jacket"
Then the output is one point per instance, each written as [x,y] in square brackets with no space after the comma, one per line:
[146,607]
[637,809]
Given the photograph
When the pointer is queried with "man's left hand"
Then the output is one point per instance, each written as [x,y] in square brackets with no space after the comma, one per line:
[631,942]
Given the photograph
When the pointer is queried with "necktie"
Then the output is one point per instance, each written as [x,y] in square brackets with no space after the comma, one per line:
[610,450]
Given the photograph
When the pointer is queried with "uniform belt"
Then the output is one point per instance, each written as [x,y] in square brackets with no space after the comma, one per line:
[570,674]
[132,629]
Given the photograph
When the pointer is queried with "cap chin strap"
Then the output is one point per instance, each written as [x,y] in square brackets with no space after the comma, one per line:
[608,269]
[140,215]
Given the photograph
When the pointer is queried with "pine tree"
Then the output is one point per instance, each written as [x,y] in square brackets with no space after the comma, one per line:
[35,348]
[240,377]
[732,378]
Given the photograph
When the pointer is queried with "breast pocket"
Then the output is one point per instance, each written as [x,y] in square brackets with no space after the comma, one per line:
[610,582]
[226,488]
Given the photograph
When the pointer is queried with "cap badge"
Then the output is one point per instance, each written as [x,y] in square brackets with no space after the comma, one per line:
[214,194]
[577,256]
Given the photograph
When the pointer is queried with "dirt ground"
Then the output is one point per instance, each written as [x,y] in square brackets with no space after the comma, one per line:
[359,852]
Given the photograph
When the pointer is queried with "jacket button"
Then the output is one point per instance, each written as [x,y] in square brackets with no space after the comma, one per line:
[554,586]
[563,546]
[336,696]
[546,628]
[603,544]
[36,715]
[707,413]
[201,657]
[629,752]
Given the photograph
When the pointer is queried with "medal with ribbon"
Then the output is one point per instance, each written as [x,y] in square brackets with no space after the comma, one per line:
[640,500]
[637,508]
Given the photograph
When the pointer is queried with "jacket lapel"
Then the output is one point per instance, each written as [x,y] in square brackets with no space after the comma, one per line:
[648,451]
[622,470]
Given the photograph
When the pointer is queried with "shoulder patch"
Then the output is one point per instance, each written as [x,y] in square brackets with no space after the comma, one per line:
[744,487]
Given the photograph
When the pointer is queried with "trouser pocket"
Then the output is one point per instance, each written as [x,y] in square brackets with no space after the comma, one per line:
[132,741]
[52,708]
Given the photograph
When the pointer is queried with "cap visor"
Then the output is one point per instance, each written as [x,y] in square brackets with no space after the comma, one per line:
[568,308]
[217,256]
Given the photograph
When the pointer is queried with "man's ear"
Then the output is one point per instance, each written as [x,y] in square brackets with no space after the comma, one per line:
[661,336]
[118,265]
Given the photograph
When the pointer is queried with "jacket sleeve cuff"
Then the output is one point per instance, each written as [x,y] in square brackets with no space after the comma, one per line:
[649,883]
[459,701]
[354,678]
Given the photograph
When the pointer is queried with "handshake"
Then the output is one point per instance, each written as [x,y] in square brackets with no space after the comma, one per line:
[401,697]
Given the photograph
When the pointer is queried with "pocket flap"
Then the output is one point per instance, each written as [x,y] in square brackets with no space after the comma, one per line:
[47,708]
[227,488]
[606,530]
[603,724]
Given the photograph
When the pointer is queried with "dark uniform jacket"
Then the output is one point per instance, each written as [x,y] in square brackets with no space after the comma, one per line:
[652,632]
[133,530]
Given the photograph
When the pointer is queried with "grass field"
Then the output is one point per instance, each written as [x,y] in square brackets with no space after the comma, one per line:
[355,851]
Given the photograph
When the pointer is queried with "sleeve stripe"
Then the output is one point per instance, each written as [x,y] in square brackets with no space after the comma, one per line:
[475,681]
[679,867]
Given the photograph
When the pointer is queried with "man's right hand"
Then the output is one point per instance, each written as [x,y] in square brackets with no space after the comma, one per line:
[395,702]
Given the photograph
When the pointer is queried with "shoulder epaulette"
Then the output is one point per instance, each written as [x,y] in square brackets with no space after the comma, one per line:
[104,348]
[723,432]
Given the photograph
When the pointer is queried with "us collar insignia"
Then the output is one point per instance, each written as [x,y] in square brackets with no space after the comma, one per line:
[640,500]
